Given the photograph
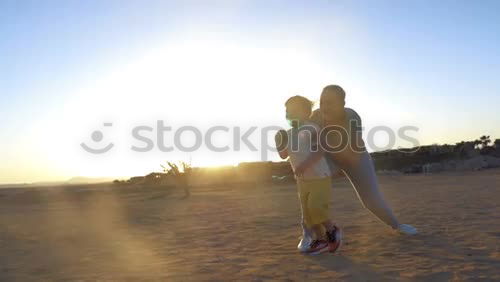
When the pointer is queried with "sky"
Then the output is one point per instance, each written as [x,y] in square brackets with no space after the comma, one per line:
[69,67]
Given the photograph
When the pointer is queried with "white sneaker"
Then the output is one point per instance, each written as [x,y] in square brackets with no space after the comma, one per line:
[407,229]
[304,243]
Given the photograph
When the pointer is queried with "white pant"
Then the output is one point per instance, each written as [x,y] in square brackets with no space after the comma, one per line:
[364,180]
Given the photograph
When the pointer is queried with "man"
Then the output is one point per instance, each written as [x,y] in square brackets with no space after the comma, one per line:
[341,140]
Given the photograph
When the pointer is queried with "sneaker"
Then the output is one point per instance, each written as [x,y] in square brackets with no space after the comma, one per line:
[407,229]
[305,242]
[334,239]
[318,247]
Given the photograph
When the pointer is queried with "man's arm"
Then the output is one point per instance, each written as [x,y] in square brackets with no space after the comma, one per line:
[358,145]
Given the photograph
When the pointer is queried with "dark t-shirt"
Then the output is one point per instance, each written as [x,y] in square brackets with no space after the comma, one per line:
[353,120]
[336,143]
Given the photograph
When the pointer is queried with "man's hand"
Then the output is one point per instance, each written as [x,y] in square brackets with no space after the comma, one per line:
[338,174]
[300,169]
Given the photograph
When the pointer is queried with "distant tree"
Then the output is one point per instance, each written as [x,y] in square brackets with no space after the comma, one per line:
[181,175]
[485,141]
[497,144]
[477,144]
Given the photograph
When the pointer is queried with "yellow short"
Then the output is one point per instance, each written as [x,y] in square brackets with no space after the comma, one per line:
[314,197]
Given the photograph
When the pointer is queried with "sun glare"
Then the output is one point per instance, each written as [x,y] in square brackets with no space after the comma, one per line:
[191,83]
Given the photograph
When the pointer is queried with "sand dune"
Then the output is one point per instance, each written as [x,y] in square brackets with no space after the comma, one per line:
[107,233]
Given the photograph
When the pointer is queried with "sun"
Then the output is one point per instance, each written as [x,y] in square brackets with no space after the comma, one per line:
[193,82]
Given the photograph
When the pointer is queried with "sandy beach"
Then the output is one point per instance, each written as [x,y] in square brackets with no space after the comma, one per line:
[250,233]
